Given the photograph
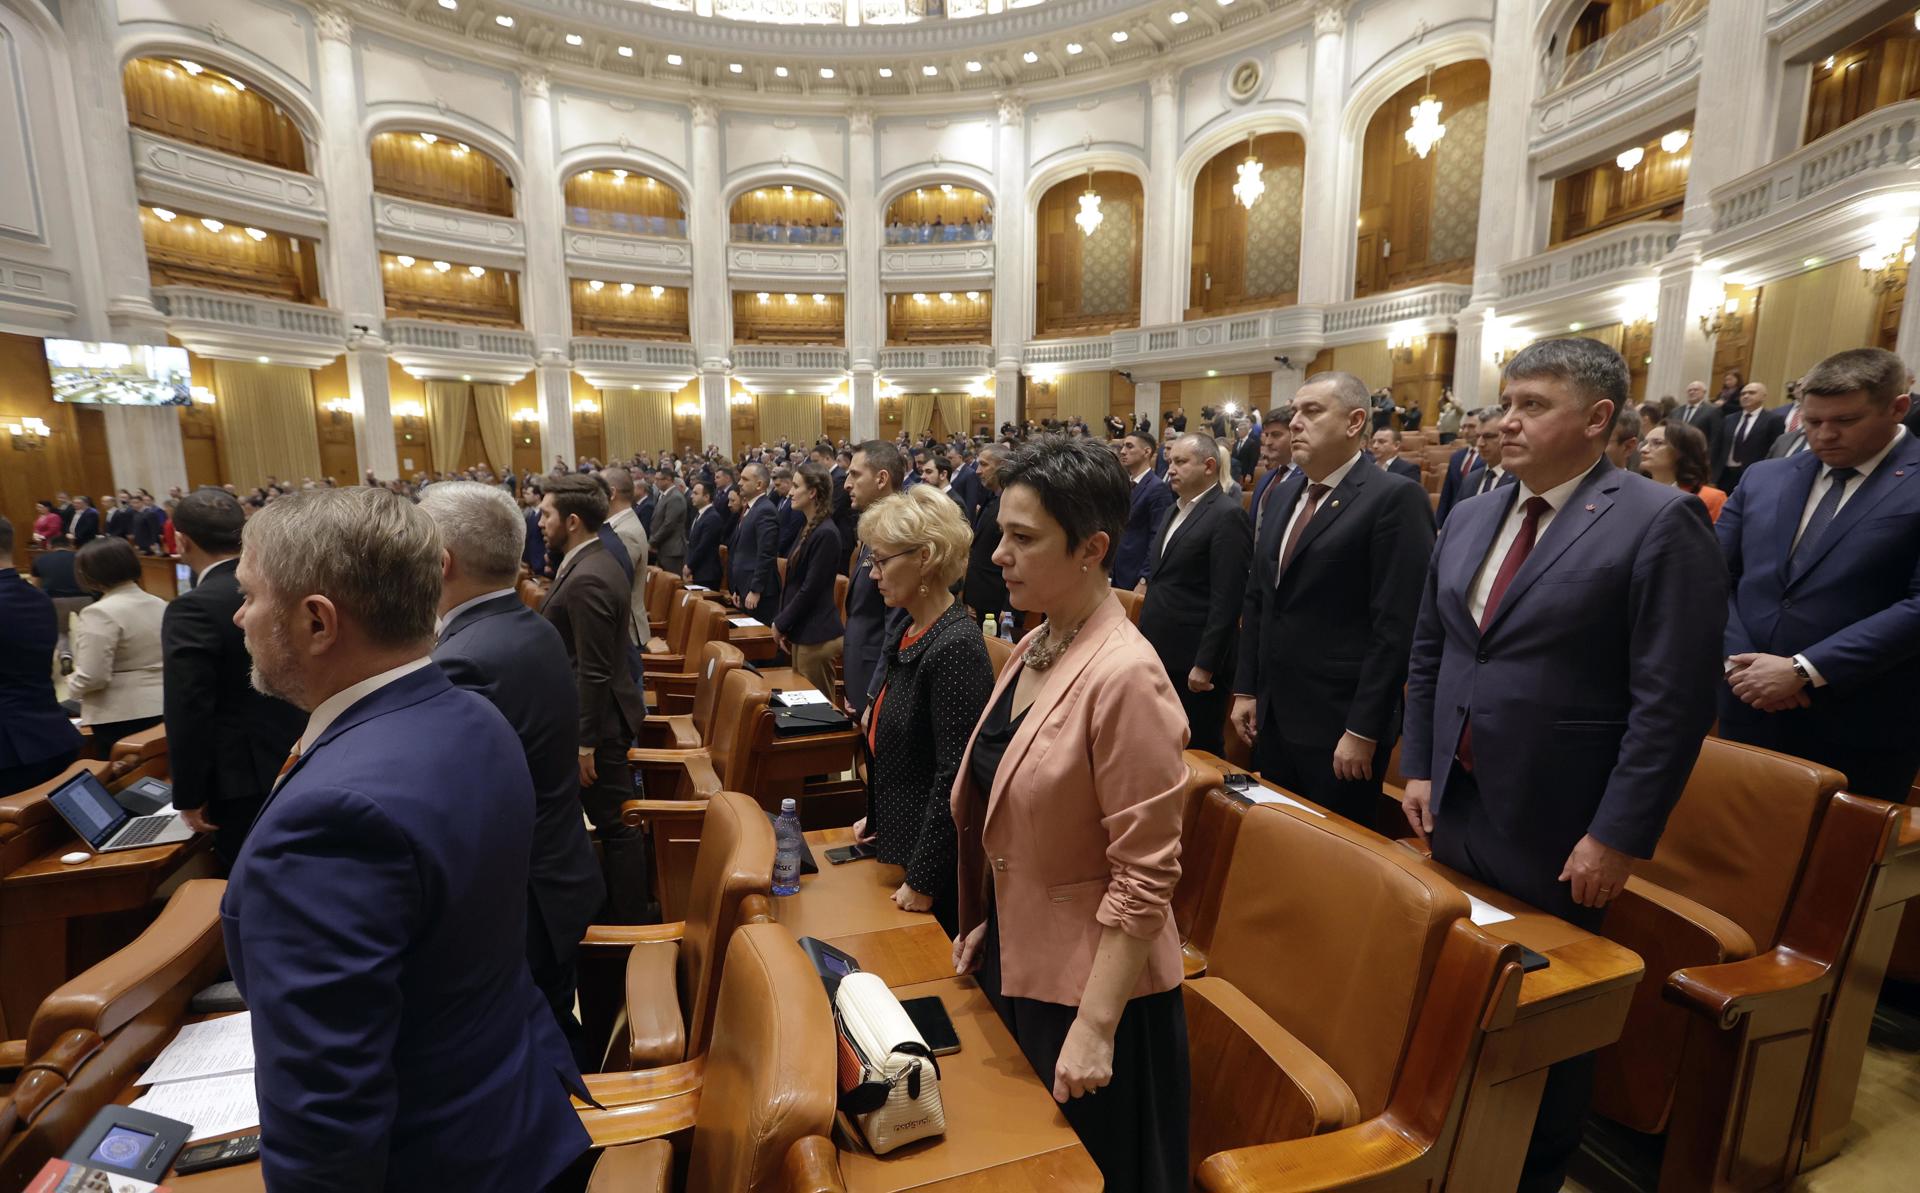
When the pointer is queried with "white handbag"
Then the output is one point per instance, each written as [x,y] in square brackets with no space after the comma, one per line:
[888,1052]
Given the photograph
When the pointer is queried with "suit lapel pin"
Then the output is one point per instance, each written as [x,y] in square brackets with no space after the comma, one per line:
[1589,507]
[1899,472]
[1336,504]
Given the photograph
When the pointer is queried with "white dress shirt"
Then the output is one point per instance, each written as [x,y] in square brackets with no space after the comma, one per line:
[330,709]
[1740,431]
[1300,503]
[446,619]
[1510,530]
[1821,484]
[1181,506]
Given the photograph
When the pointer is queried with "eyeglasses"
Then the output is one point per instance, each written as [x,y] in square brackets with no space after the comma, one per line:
[877,562]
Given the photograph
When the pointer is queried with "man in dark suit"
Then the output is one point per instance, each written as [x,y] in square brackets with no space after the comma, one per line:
[874,475]
[968,489]
[1703,416]
[1195,582]
[119,517]
[984,589]
[589,605]
[649,501]
[1329,608]
[1824,549]
[144,527]
[1749,437]
[86,522]
[1461,465]
[1276,461]
[535,553]
[668,533]
[1385,447]
[704,535]
[1491,473]
[723,485]
[37,741]
[791,520]
[1562,672]
[491,643]
[375,918]
[225,738]
[753,569]
[1151,498]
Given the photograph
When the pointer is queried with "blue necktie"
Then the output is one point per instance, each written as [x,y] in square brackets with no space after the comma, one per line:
[1823,514]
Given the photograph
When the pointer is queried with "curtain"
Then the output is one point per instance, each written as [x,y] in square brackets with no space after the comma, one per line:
[496,426]
[266,422]
[1369,361]
[1086,396]
[1806,318]
[919,414]
[953,412]
[637,421]
[447,422]
[795,417]
[1215,392]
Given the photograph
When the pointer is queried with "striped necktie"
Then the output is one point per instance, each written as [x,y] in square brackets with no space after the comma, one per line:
[293,758]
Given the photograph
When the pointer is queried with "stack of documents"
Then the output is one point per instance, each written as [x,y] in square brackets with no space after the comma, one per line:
[205,1077]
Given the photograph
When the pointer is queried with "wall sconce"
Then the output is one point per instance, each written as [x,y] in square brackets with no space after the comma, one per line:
[1884,265]
[586,406]
[1725,318]
[335,407]
[1403,346]
[202,395]
[409,413]
[28,435]
[526,415]
[839,398]
[687,410]
[740,398]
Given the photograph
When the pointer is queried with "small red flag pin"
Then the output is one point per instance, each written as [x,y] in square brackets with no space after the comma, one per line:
[1589,507]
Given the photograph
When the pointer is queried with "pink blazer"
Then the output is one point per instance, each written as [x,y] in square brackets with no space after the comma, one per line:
[1082,828]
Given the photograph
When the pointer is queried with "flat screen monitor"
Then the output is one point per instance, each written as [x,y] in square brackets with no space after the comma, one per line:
[119,374]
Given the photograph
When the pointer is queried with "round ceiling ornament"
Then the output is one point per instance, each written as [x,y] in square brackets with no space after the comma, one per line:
[1244,81]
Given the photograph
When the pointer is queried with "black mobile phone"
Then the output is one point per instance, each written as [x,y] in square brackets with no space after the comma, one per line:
[1238,779]
[220,1153]
[849,853]
[1530,960]
[130,1142]
[930,1018]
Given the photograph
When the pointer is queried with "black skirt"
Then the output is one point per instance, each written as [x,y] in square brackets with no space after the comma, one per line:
[1136,1126]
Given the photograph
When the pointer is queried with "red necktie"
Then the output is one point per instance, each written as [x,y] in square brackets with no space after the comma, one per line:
[1314,494]
[293,758]
[1509,567]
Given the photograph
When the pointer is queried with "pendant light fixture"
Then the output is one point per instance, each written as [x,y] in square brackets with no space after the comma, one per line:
[1089,217]
[1426,130]
[1251,185]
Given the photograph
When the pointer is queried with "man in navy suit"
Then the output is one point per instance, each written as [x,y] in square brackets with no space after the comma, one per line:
[375,920]
[874,475]
[753,570]
[86,522]
[1276,457]
[1491,472]
[1151,498]
[37,741]
[1385,446]
[791,520]
[704,535]
[1823,628]
[1562,673]
[491,643]
[1460,465]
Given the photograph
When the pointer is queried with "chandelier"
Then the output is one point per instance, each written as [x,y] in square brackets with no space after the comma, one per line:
[1251,185]
[1089,217]
[1427,129]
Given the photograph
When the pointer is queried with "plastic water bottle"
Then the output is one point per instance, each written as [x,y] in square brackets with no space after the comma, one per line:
[1006,627]
[989,627]
[787,844]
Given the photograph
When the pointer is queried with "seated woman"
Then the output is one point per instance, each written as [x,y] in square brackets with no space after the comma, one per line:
[1068,812]
[936,681]
[1675,453]
[116,645]
[808,625]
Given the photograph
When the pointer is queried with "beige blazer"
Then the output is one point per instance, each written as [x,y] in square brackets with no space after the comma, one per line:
[116,656]
[1082,828]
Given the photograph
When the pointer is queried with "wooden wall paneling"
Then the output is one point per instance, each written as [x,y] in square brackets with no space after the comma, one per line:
[1218,281]
[1636,347]
[1880,69]
[338,457]
[209,111]
[524,394]
[688,430]
[635,195]
[745,420]
[788,318]
[940,317]
[618,313]
[1733,347]
[1603,195]
[63,459]
[1419,375]
[1808,317]
[184,251]
[423,291]
[1059,261]
[589,438]
[200,443]
[788,206]
[1396,187]
[1043,401]
[836,421]
[445,172]
[411,438]
[1119,400]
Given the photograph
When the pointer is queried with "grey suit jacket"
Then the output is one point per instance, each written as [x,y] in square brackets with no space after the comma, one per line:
[670,525]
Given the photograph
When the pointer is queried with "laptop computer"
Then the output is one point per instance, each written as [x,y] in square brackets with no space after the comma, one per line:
[106,826]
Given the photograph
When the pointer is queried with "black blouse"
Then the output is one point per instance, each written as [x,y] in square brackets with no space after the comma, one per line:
[935,691]
[996,734]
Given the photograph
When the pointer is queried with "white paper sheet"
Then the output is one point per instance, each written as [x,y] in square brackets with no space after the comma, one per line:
[214,1105]
[1485,913]
[1267,795]
[696,588]
[209,1049]
[744,622]
[794,699]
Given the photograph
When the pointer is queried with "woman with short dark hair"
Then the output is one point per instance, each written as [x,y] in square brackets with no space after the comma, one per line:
[808,625]
[1675,453]
[116,645]
[1068,809]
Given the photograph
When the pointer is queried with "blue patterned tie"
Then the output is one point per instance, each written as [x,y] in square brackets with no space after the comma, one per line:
[1823,515]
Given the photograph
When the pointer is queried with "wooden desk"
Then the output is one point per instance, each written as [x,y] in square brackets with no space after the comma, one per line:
[1576,1004]
[850,908]
[755,642]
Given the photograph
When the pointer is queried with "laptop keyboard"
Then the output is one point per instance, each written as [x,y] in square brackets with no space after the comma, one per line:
[143,830]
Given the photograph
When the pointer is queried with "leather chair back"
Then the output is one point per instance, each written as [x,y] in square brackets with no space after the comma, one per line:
[1131,602]
[735,860]
[141,754]
[708,623]
[770,1072]
[662,586]
[717,661]
[1209,830]
[840,584]
[1335,937]
[999,653]
[96,1031]
[683,608]
[742,696]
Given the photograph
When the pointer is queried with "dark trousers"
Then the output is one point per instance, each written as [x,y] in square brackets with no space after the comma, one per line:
[15,779]
[232,820]
[623,850]
[557,982]
[1466,839]
[1307,771]
[1206,714]
[1886,774]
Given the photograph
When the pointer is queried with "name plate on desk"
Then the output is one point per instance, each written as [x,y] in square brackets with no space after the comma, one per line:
[747,623]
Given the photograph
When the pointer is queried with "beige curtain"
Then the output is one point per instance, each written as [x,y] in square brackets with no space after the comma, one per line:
[1370,362]
[953,412]
[637,421]
[1213,391]
[918,415]
[266,422]
[1806,318]
[795,417]
[447,422]
[1086,396]
[496,426]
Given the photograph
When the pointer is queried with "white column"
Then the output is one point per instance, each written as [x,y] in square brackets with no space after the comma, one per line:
[1012,272]
[92,26]
[1324,224]
[1161,300]
[352,261]
[1680,352]
[1006,395]
[865,415]
[143,445]
[711,303]
[864,331]
[716,417]
[1505,185]
[1907,341]
[543,287]
[1146,403]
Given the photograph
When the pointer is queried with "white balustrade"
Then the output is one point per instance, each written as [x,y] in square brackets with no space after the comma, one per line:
[1436,302]
[969,357]
[1603,258]
[764,357]
[1876,152]
[183,173]
[408,223]
[642,353]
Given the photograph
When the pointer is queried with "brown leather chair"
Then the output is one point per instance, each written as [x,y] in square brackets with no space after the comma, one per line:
[692,730]
[1358,1073]
[722,763]
[93,1034]
[140,754]
[671,683]
[672,973]
[1131,602]
[667,647]
[999,654]
[1743,916]
[757,1112]
[662,587]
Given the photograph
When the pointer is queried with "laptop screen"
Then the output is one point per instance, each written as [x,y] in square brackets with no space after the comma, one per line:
[85,805]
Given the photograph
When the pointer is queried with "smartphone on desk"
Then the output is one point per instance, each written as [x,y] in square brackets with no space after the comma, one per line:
[935,1026]
[849,853]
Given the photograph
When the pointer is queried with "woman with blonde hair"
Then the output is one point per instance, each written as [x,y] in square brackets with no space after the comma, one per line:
[936,679]
[116,645]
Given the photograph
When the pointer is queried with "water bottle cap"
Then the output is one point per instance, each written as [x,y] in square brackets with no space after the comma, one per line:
[787,805]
